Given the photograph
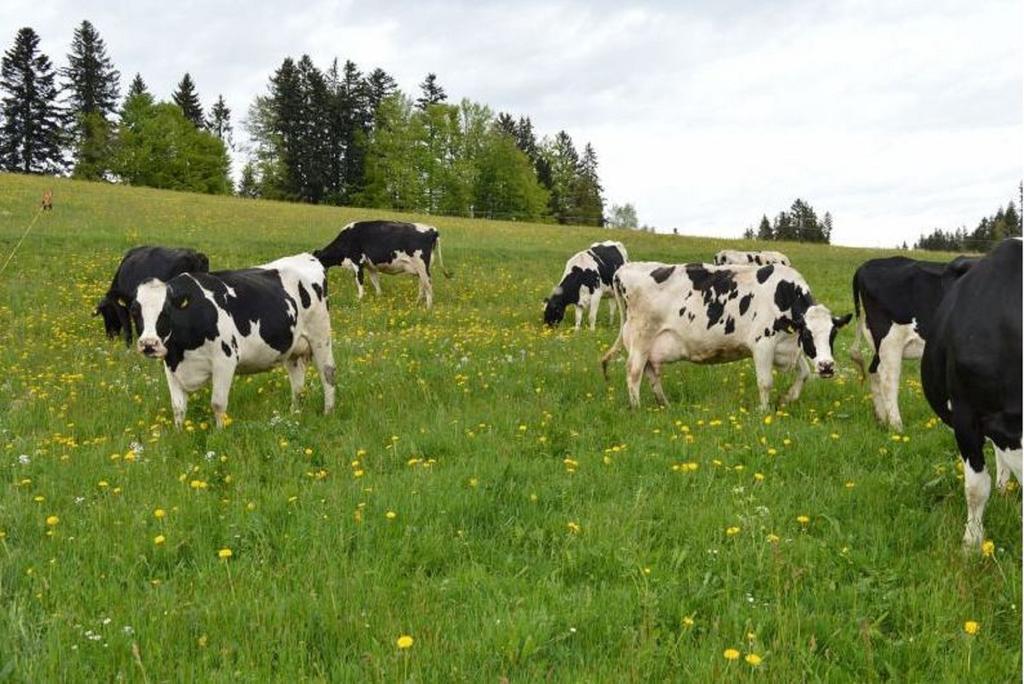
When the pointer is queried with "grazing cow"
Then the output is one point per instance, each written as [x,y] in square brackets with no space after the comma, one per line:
[971,373]
[586,277]
[717,314]
[386,247]
[209,326]
[899,296]
[732,256]
[137,265]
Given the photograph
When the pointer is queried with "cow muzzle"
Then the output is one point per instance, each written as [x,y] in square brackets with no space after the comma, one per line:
[152,348]
[826,369]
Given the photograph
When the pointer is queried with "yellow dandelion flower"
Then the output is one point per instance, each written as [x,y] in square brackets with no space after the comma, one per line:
[404,641]
[988,548]
[52,520]
[731,654]
[224,554]
[972,627]
[753,659]
[390,515]
[773,538]
[159,539]
[688,621]
[731,531]
[159,513]
[574,527]
[803,519]
[767,420]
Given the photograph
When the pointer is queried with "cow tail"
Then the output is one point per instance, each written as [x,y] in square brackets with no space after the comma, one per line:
[440,259]
[617,345]
[856,297]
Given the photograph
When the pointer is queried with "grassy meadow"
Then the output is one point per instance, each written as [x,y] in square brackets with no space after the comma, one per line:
[479,488]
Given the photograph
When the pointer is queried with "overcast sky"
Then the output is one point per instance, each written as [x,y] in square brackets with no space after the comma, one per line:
[895,116]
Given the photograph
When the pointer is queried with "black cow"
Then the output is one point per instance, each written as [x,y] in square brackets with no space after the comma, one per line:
[899,296]
[386,247]
[971,373]
[139,264]
[586,277]
[209,326]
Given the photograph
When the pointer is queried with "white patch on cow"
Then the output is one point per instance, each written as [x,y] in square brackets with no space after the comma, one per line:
[1008,461]
[741,258]
[818,322]
[977,487]
[424,228]
[151,296]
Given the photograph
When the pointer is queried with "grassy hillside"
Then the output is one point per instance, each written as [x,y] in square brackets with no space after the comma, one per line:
[480,488]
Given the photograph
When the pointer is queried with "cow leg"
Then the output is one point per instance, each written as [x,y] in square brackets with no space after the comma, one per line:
[877,397]
[803,371]
[612,307]
[323,358]
[653,372]
[375,280]
[223,375]
[359,281]
[579,316]
[595,304]
[635,367]
[179,397]
[764,361]
[1007,461]
[296,368]
[890,366]
[977,483]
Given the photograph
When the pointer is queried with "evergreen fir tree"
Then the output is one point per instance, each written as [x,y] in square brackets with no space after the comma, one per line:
[379,86]
[248,184]
[31,133]
[506,125]
[826,228]
[764,229]
[90,79]
[355,117]
[433,93]
[589,204]
[137,87]
[563,162]
[186,98]
[220,122]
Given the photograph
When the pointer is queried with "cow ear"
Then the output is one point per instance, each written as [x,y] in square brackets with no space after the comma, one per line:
[840,321]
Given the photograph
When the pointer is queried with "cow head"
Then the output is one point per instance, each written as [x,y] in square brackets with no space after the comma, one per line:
[817,330]
[162,308]
[554,307]
[340,252]
[110,310]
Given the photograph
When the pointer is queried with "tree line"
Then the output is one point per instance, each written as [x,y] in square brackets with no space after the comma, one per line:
[334,136]
[1004,223]
[799,224]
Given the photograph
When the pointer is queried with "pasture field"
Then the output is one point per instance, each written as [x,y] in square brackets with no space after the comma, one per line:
[480,488]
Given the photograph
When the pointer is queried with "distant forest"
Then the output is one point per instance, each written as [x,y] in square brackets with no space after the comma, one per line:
[323,136]
[1006,222]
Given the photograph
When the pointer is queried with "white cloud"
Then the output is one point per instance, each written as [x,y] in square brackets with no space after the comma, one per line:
[897,117]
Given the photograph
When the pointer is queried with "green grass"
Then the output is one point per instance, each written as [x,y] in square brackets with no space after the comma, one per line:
[490,439]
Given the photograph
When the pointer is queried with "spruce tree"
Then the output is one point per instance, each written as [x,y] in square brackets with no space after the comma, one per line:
[589,204]
[506,125]
[220,122]
[379,86]
[248,185]
[137,87]
[31,133]
[764,229]
[563,162]
[433,93]
[186,98]
[355,117]
[90,79]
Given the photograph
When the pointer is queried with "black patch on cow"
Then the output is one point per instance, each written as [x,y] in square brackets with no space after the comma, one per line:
[745,302]
[750,258]
[807,343]
[757,260]
[714,312]
[609,258]
[764,273]
[792,298]
[225,348]
[662,273]
[730,325]
[304,297]
[319,291]
[138,265]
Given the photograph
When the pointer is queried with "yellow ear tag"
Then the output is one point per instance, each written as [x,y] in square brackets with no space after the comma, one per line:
[184,303]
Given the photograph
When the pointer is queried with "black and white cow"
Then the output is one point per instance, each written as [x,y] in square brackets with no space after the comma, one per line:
[899,296]
[971,373]
[209,326]
[716,314]
[389,247]
[137,265]
[586,277]
[732,256]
